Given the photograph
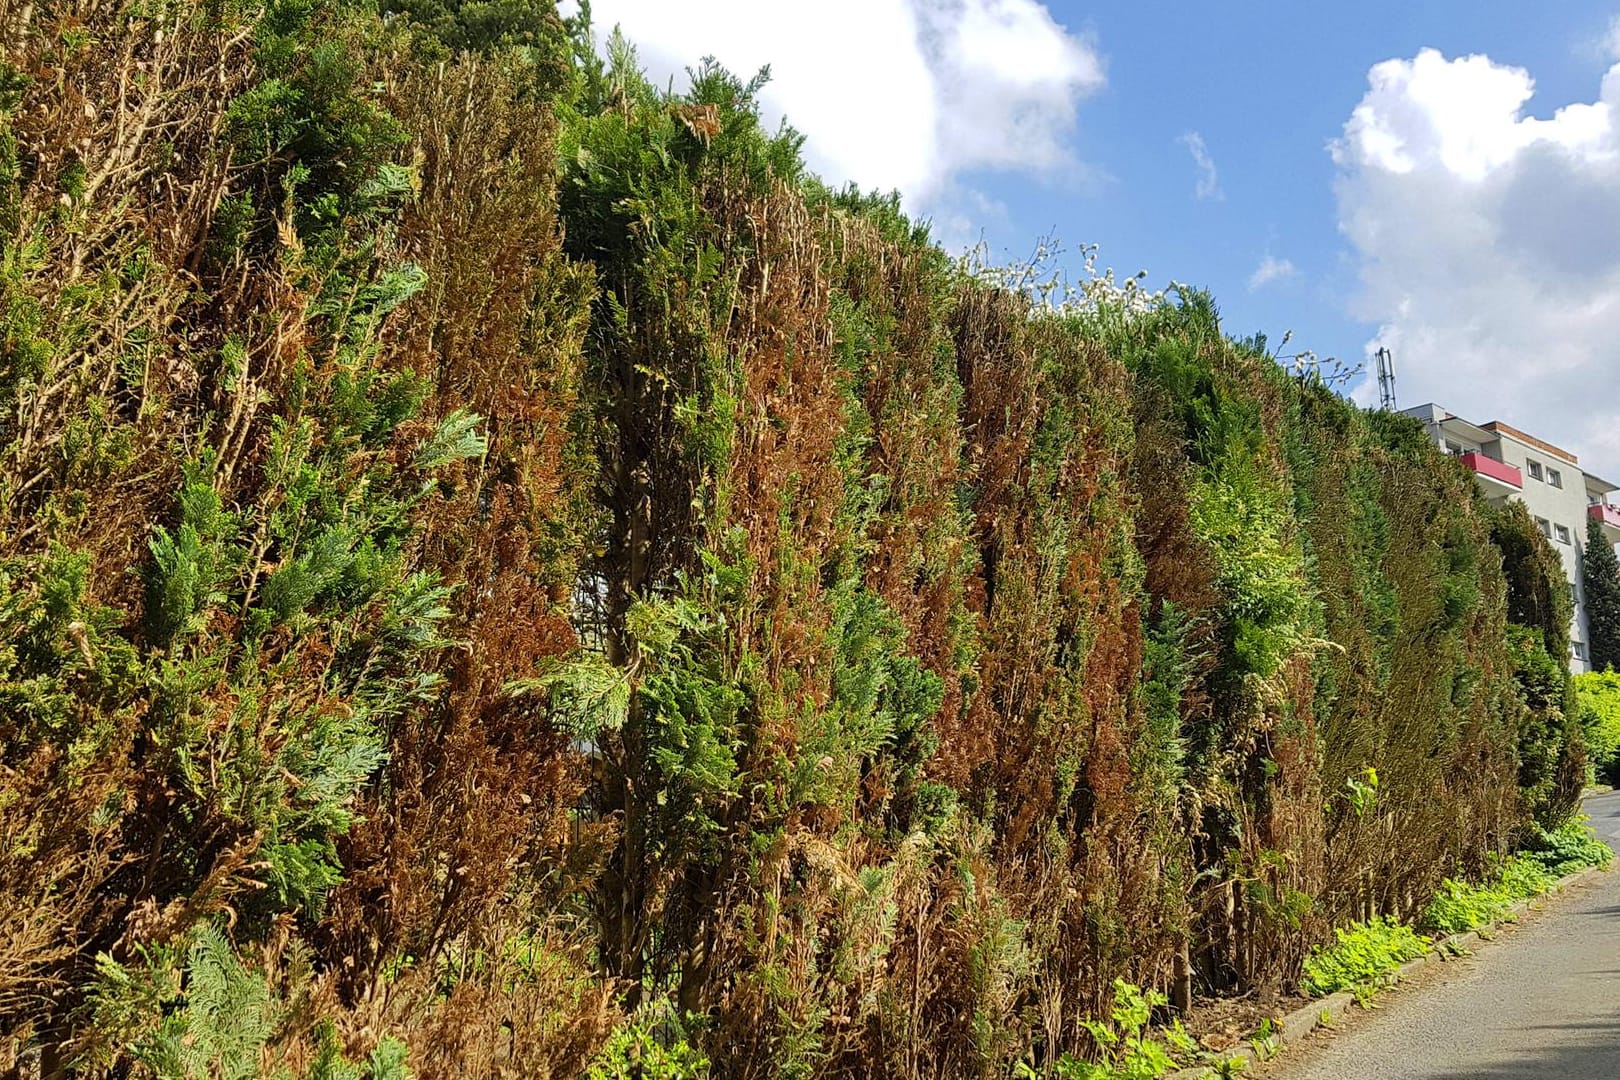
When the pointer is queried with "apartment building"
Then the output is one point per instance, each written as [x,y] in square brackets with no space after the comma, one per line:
[1560,495]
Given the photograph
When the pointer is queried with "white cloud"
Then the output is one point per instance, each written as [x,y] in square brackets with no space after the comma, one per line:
[962,216]
[903,94]
[1489,245]
[1271,269]
[1208,185]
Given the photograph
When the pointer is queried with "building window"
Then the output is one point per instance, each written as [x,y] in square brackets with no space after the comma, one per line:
[1574,597]
[1545,526]
[1579,649]
[1555,478]
[1563,533]
[1534,469]
[1453,449]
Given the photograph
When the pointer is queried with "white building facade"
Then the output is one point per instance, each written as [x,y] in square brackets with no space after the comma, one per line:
[1510,464]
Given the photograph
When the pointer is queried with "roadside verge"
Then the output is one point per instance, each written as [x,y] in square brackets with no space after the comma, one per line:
[1299,1024]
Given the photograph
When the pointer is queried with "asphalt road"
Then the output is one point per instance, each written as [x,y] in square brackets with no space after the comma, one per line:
[1541,1002]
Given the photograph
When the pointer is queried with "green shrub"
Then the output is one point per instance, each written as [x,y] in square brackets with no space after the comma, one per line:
[1600,575]
[1598,696]
[1461,905]
[1552,854]
[650,1046]
[1571,847]
[1362,957]
[1128,1053]
[1550,733]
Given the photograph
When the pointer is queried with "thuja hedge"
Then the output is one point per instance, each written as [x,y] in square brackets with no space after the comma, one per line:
[503,572]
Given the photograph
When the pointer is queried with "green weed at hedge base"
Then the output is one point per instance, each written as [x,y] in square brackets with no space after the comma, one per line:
[1569,848]
[1127,1049]
[1460,906]
[1362,957]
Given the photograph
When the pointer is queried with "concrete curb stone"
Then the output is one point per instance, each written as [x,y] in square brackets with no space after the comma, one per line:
[1303,1021]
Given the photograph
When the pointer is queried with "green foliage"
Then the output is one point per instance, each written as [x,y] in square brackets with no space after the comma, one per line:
[1549,856]
[1551,754]
[210,1018]
[1266,1040]
[457,438]
[488,25]
[1570,847]
[588,695]
[127,1001]
[1460,906]
[1363,956]
[1127,1051]
[191,565]
[385,1062]
[307,113]
[226,1016]
[882,705]
[1600,585]
[1551,731]
[1167,674]
[649,1046]
[690,708]
[1241,506]
[1261,575]
[1598,696]
[1538,593]
[1362,792]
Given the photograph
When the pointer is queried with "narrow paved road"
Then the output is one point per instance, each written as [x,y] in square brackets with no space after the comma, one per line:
[1541,1003]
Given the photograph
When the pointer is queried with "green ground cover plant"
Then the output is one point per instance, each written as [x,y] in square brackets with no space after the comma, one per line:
[1550,854]
[1459,906]
[1362,957]
[1568,848]
[1127,1049]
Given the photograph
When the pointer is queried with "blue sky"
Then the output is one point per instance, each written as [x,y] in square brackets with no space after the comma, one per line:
[1267,86]
[1442,178]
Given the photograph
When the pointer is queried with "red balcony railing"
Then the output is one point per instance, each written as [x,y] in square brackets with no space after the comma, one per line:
[1492,469]
[1604,515]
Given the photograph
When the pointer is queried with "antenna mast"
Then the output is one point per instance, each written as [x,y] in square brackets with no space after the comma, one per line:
[1386,379]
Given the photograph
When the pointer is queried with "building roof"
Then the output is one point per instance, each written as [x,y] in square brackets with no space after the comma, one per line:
[1499,428]
[1473,432]
[1496,429]
[1599,486]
